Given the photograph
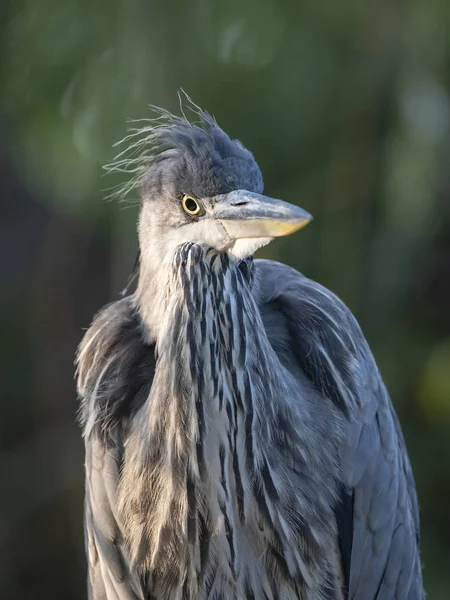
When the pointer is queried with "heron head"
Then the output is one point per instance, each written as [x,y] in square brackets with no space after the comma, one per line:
[198,185]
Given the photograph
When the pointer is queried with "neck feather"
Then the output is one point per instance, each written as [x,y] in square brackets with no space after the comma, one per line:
[218,450]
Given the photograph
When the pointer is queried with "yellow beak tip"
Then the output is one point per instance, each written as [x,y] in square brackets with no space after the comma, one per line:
[282,228]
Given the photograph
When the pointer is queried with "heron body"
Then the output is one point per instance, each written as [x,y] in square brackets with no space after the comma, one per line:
[239,440]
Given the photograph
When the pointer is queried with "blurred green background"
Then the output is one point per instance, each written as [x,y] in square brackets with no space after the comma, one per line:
[345,106]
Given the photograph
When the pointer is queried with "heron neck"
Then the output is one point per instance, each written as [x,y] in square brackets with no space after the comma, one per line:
[209,455]
[213,355]
[196,265]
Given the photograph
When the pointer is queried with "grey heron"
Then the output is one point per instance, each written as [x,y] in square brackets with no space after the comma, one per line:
[240,442]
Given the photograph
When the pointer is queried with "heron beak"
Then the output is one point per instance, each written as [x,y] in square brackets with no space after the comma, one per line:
[248,215]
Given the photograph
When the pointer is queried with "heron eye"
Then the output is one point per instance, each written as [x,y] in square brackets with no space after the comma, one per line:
[190,205]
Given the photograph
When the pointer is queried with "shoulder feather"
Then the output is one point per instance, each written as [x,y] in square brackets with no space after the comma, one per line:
[115,367]
[378,514]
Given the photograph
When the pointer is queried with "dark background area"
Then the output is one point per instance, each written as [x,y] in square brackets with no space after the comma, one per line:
[345,106]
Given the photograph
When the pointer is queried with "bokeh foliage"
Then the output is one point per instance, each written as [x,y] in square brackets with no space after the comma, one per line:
[345,106]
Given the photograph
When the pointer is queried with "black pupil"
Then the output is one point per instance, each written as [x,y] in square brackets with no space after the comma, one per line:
[190,204]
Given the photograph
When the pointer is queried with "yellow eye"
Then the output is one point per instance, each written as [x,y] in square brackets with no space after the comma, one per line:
[190,205]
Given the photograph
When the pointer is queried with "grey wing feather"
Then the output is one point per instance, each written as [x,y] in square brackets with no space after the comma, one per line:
[109,576]
[379,517]
[115,370]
